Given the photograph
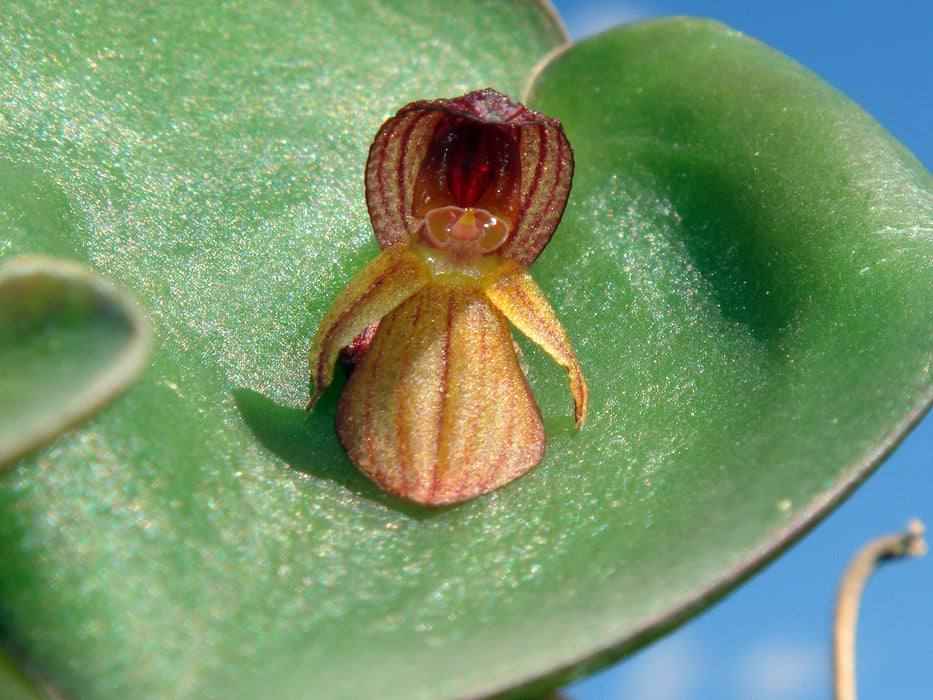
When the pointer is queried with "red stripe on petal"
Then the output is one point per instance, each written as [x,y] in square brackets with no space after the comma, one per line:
[400,148]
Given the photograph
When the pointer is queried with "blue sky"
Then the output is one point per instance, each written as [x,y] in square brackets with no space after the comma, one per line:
[770,639]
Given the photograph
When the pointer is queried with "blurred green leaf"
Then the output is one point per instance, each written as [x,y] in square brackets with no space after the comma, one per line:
[743,271]
[69,342]
[13,684]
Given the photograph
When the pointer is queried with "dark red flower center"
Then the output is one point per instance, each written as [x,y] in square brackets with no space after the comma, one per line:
[470,164]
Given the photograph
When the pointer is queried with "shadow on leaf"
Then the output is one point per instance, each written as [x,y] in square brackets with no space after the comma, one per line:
[308,444]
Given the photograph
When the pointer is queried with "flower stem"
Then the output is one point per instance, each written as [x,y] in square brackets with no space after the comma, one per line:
[894,546]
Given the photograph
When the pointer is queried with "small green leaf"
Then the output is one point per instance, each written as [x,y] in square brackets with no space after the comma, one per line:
[69,343]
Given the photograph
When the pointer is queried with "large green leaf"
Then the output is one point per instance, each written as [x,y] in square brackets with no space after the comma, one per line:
[743,268]
[751,257]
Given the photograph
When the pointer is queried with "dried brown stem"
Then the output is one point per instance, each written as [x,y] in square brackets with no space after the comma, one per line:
[894,546]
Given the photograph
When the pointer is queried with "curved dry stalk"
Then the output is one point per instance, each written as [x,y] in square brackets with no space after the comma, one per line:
[902,544]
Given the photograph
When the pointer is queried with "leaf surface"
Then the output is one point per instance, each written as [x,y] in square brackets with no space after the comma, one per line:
[69,343]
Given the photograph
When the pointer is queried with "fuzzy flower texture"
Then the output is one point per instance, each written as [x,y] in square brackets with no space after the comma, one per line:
[463,194]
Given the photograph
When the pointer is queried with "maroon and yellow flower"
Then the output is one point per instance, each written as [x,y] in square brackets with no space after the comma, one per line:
[463,195]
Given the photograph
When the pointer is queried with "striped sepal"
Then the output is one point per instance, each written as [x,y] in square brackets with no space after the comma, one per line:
[401,144]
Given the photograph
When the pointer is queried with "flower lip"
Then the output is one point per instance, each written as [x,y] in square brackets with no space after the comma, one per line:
[472,228]
[480,151]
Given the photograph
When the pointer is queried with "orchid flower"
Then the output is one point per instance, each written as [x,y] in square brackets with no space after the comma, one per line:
[463,195]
